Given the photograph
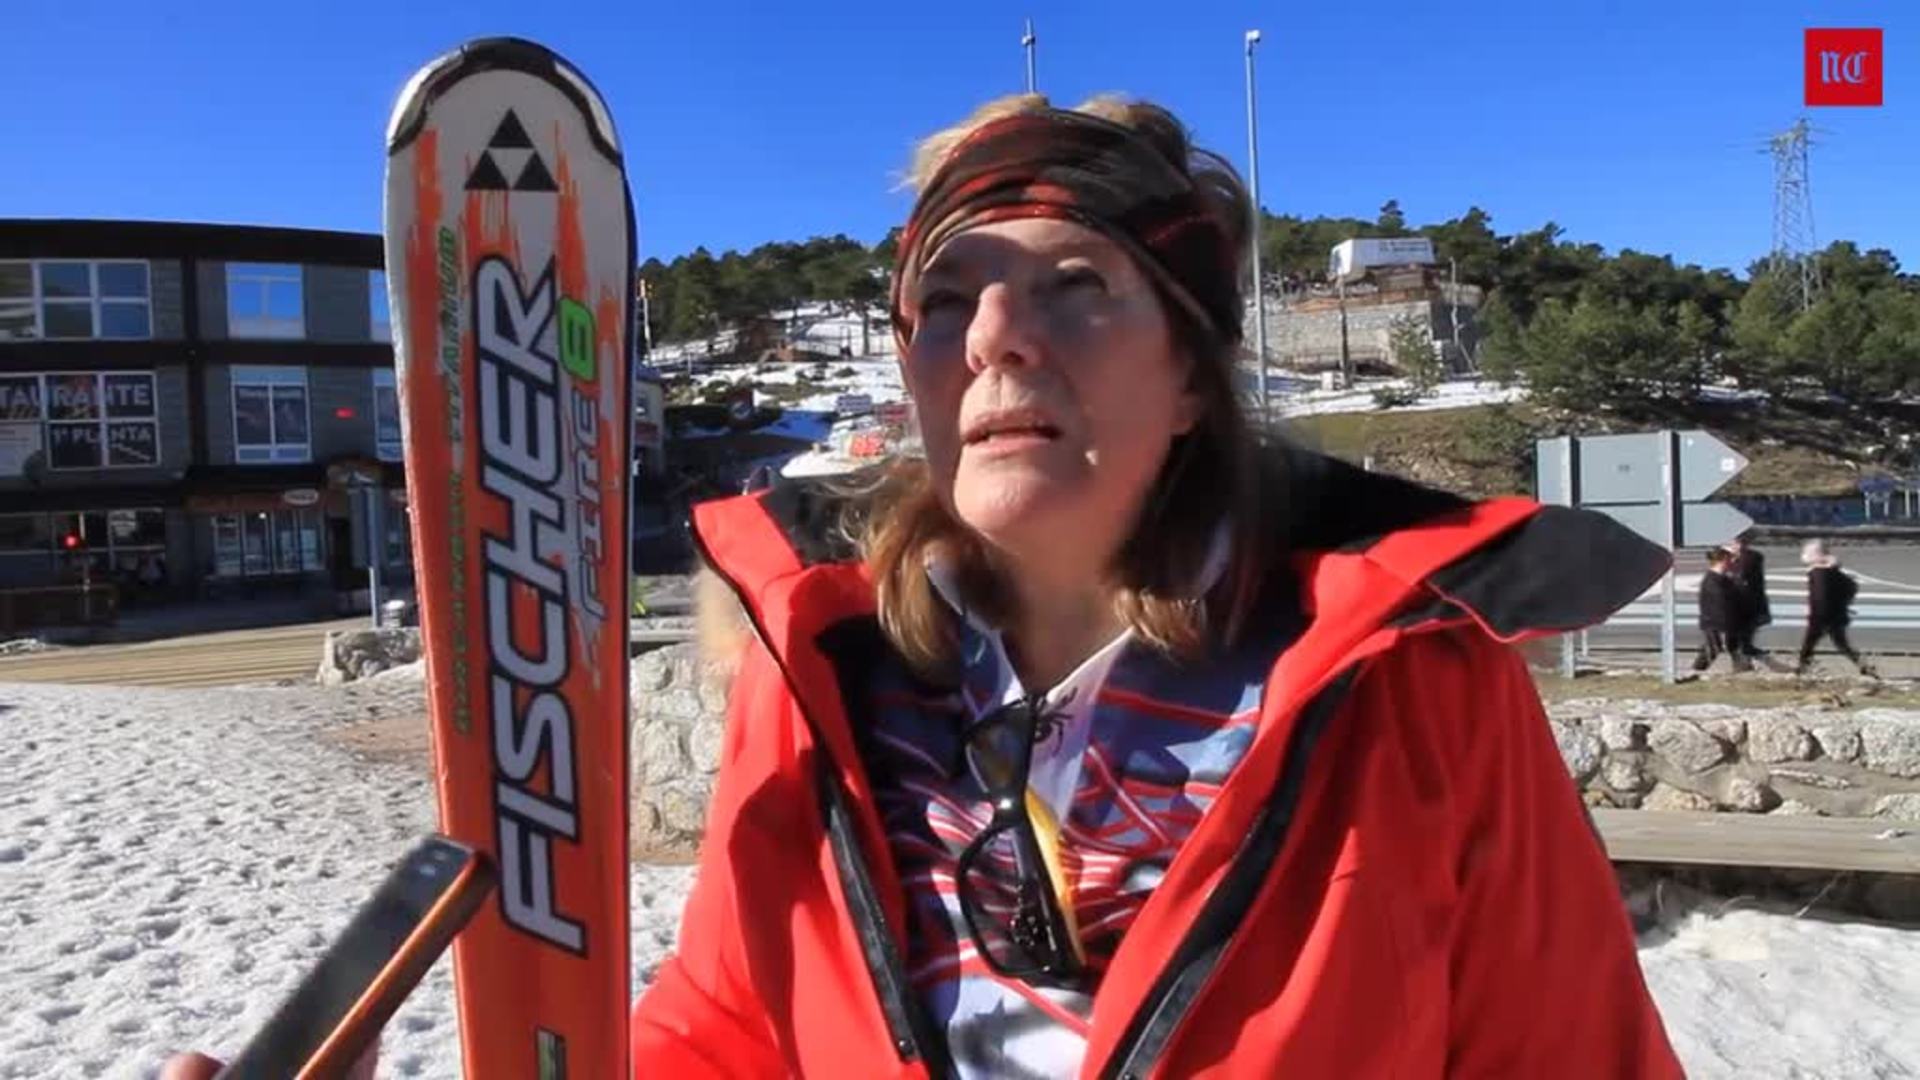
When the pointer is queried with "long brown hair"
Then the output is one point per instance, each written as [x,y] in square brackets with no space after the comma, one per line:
[1209,479]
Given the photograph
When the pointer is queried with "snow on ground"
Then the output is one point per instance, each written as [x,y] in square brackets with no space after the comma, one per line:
[172,861]
[1748,993]
[878,379]
[1299,398]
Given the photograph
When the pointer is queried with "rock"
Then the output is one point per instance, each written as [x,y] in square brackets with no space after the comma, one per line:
[1905,807]
[1665,797]
[713,690]
[1728,730]
[703,743]
[1623,733]
[651,672]
[1779,742]
[1839,740]
[1796,808]
[1625,773]
[1701,712]
[1746,796]
[661,758]
[1685,745]
[347,655]
[1892,746]
[1813,779]
[683,811]
[678,703]
[1579,749]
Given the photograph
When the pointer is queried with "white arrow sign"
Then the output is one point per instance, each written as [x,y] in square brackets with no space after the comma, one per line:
[1701,524]
[1706,464]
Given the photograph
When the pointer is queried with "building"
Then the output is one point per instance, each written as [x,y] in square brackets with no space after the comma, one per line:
[184,409]
[1314,327]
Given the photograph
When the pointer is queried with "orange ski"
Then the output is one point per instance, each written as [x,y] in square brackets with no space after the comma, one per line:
[509,236]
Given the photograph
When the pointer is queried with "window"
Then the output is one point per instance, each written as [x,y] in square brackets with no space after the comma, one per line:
[116,542]
[25,534]
[75,299]
[386,416]
[263,301]
[82,420]
[261,543]
[380,318]
[270,415]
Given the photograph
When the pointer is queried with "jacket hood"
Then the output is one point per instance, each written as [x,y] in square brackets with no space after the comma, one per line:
[1517,568]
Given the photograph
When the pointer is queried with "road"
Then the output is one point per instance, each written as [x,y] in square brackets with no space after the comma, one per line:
[228,658]
[1889,577]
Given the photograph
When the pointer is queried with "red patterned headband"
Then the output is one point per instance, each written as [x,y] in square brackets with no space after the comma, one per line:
[1081,168]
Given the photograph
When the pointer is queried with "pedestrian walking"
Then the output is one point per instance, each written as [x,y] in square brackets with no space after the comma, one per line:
[1830,593]
[1720,613]
[1748,569]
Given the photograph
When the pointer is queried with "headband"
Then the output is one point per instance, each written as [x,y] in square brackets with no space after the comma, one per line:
[1075,167]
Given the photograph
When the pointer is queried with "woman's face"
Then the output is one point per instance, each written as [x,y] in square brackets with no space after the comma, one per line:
[1047,384]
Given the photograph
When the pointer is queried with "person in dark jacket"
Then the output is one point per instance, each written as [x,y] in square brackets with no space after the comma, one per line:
[1830,592]
[1748,569]
[1720,613]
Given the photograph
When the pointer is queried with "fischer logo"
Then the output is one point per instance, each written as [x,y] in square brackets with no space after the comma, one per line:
[523,405]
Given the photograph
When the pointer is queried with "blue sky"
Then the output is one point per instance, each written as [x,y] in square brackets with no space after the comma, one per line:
[1630,124]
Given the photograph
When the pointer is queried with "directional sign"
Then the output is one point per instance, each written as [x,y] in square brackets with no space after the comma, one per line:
[1701,524]
[1626,468]
[1651,482]
[1706,464]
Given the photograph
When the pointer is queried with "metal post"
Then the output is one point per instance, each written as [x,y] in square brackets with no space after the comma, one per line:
[1670,532]
[1453,316]
[1259,288]
[1569,481]
[1346,355]
[1027,42]
[86,570]
[376,546]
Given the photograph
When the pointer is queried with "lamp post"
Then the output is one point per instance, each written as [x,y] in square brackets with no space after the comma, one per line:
[1259,291]
[1027,42]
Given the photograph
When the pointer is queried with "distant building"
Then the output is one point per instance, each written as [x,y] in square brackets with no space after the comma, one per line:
[184,406]
[1307,323]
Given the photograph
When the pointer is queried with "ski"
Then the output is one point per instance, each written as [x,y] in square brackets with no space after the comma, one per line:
[509,253]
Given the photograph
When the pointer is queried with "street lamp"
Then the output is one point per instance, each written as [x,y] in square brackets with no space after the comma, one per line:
[1027,42]
[1253,179]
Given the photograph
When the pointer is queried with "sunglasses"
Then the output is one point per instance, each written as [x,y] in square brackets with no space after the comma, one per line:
[1007,899]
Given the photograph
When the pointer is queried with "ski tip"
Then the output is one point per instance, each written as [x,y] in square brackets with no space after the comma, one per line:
[494,54]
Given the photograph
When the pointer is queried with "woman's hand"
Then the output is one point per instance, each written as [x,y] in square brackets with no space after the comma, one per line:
[201,1067]
[189,1067]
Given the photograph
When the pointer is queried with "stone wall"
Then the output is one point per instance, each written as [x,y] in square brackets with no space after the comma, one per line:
[1654,756]
[679,718]
[1308,336]
[1627,753]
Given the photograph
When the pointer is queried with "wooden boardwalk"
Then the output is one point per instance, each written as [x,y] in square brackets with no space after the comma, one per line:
[226,658]
[1813,843]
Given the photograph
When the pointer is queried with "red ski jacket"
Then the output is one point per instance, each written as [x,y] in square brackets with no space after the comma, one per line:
[1398,880]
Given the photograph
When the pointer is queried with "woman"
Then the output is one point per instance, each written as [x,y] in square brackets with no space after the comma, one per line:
[1110,741]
